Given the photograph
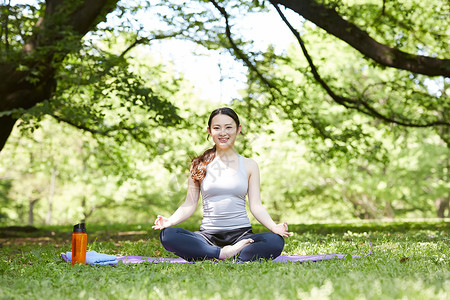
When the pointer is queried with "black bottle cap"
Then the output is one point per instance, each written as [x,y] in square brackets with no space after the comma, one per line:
[80,227]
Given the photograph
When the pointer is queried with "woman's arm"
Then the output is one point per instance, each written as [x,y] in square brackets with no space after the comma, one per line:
[256,207]
[184,211]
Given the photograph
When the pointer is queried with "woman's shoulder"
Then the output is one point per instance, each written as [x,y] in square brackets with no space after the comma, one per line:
[250,163]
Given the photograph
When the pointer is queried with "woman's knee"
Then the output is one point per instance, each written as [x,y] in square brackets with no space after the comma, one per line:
[266,245]
[168,235]
[275,241]
[270,241]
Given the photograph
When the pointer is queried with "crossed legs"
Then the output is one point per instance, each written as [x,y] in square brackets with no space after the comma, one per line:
[191,246]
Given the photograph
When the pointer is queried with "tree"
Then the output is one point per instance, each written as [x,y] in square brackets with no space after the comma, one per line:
[429,108]
[38,41]
[368,69]
[41,44]
[100,177]
[29,62]
[325,15]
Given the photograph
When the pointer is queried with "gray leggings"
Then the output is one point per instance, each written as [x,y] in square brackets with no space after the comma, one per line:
[192,246]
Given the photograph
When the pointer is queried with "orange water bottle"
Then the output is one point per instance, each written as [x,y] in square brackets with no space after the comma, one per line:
[79,244]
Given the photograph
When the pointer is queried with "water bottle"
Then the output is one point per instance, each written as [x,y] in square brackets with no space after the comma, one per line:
[79,244]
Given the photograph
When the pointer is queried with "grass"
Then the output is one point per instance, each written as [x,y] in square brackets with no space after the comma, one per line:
[410,261]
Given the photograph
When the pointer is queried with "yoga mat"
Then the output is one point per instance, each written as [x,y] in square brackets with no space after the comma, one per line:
[280,259]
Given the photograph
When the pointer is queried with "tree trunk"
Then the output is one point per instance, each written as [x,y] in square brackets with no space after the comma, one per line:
[84,206]
[364,207]
[48,220]
[23,89]
[6,126]
[442,205]
[31,211]
[388,211]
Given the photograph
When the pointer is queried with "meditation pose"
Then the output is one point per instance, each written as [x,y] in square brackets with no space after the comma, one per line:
[224,178]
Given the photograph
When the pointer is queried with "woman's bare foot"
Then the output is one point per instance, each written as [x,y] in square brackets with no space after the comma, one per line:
[232,250]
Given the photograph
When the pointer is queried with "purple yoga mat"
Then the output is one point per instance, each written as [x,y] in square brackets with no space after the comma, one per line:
[279,259]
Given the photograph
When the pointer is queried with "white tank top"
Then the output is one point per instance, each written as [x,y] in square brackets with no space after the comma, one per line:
[223,195]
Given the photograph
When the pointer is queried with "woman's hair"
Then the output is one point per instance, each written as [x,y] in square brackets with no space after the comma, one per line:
[199,163]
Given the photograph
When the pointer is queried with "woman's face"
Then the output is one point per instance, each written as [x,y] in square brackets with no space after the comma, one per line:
[223,131]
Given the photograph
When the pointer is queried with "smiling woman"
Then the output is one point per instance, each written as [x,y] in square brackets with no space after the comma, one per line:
[223,127]
[224,178]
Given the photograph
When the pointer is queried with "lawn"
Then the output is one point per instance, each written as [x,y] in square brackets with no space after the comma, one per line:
[409,261]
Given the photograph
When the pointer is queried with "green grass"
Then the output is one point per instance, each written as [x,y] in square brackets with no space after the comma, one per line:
[410,261]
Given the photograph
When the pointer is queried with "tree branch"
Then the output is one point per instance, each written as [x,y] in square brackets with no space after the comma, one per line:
[145,40]
[239,52]
[347,102]
[329,20]
[132,131]
[105,132]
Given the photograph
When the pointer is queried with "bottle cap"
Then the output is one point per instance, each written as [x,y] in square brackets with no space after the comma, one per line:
[80,227]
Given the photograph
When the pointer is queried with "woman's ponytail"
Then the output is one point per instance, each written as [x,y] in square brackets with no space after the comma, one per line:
[198,165]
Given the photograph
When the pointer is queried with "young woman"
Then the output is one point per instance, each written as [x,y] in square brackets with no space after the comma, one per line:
[224,178]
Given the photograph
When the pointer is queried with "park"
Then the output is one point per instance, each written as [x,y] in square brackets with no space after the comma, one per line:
[343,133]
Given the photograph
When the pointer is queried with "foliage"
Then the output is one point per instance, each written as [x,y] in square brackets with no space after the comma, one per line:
[120,128]
[5,186]
[299,185]
[392,22]
[217,25]
[410,260]
[100,170]
[329,127]
[102,181]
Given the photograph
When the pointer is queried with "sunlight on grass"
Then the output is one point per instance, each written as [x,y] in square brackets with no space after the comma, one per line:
[410,264]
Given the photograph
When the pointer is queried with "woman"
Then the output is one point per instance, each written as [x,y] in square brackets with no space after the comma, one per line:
[224,178]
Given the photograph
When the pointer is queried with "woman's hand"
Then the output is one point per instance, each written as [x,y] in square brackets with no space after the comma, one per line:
[281,229]
[161,223]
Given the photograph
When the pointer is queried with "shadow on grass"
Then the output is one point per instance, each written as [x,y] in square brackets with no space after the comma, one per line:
[134,232]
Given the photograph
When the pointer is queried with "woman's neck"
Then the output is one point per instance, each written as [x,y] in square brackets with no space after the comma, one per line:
[226,153]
